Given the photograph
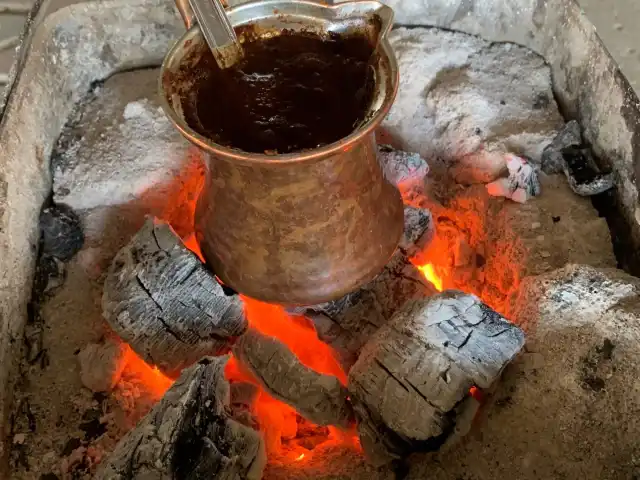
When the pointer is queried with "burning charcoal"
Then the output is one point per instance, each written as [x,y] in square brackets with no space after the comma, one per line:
[521,184]
[463,254]
[243,393]
[570,136]
[189,434]
[348,323]
[583,174]
[102,364]
[61,232]
[418,229]
[426,360]
[319,398]
[160,298]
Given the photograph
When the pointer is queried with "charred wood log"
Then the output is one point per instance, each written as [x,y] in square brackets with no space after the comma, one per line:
[161,300]
[320,398]
[189,434]
[411,383]
[348,323]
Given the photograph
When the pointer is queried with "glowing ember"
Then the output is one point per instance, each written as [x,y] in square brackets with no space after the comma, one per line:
[430,274]
[192,244]
[278,421]
[155,382]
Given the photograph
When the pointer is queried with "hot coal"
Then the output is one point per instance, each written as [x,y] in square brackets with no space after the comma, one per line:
[291,92]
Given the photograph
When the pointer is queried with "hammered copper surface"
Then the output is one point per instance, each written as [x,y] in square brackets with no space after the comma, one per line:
[303,233]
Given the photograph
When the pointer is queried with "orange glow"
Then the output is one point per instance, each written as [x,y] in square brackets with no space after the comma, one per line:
[155,382]
[278,421]
[297,333]
[430,274]
[476,393]
[192,244]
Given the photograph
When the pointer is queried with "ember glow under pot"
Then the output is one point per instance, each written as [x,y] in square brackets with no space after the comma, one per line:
[301,228]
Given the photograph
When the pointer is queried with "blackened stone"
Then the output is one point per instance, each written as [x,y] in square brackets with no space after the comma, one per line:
[62,235]
[70,446]
[569,136]
[49,476]
[583,174]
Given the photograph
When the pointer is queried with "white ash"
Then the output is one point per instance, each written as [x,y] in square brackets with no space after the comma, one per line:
[403,169]
[426,358]
[102,364]
[464,102]
[521,184]
[127,150]
[418,229]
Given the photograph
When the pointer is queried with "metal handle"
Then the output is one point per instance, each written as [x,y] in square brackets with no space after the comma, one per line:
[188,17]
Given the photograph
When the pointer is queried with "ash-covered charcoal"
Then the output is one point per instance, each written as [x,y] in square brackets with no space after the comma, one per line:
[318,397]
[160,298]
[521,184]
[583,173]
[568,153]
[570,136]
[348,323]
[426,360]
[418,229]
[102,364]
[189,434]
[61,232]
[403,169]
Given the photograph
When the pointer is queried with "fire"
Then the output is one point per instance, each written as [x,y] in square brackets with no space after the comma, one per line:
[192,244]
[277,420]
[279,423]
[297,333]
[155,382]
[429,272]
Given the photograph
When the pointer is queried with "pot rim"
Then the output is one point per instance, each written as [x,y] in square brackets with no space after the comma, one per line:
[344,144]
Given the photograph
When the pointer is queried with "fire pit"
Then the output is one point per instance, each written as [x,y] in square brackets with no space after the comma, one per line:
[499,340]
